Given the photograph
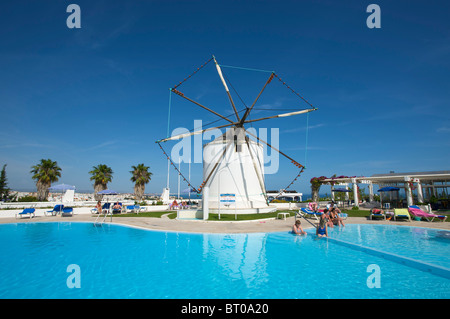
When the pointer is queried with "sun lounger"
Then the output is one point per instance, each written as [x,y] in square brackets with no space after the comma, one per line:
[55,211]
[416,211]
[129,208]
[402,213]
[377,213]
[138,208]
[67,211]
[133,209]
[343,215]
[306,212]
[29,212]
[106,207]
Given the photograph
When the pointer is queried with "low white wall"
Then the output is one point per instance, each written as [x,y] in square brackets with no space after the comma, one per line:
[22,205]
[289,206]
[155,208]
[41,211]
[189,213]
[5,213]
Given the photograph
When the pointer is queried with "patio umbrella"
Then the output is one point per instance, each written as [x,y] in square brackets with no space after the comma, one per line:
[107,192]
[386,189]
[61,187]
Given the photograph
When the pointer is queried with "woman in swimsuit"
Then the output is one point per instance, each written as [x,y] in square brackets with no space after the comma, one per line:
[297,228]
[322,229]
[99,207]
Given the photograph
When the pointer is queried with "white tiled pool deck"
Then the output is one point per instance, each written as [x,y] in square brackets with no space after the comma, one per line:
[199,226]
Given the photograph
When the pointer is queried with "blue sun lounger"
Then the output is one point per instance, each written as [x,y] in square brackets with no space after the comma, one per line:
[306,212]
[26,212]
[67,211]
[55,211]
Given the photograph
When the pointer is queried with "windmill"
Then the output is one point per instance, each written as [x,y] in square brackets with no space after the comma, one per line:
[234,163]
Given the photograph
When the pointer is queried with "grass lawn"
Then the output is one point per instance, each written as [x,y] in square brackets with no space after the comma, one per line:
[172,214]
[223,217]
[231,217]
[357,213]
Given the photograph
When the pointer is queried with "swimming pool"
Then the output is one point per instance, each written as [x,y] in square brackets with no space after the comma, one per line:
[122,262]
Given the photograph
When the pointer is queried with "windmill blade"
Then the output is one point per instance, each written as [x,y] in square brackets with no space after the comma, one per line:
[219,71]
[180,136]
[202,106]
[275,149]
[257,98]
[282,115]
[216,165]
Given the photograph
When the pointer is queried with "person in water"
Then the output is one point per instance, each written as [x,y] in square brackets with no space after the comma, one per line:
[297,228]
[322,229]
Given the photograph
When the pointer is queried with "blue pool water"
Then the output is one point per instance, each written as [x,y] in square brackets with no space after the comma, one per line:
[122,262]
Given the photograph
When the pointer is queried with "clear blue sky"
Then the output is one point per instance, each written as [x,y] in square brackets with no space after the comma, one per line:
[99,94]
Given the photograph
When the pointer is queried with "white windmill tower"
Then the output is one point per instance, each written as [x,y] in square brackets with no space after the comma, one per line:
[233,163]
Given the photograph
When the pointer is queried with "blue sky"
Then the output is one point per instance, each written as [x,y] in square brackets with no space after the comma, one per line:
[99,94]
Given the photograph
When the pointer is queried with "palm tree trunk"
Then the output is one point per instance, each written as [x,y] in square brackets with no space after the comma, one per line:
[139,191]
[97,188]
[42,191]
[315,193]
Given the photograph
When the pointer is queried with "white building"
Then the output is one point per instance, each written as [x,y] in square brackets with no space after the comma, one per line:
[418,186]
[288,195]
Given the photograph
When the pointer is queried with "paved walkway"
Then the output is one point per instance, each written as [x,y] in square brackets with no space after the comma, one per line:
[166,224]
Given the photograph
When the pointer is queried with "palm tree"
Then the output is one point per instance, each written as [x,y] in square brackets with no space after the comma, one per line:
[141,176]
[101,175]
[45,173]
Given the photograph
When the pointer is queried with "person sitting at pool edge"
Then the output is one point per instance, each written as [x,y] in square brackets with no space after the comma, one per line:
[322,229]
[327,218]
[297,228]
[333,206]
[335,219]
[99,207]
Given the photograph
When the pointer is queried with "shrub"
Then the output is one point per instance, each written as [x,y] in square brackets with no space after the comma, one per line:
[27,199]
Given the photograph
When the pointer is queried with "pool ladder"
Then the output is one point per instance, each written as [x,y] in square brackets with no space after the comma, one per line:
[104,218]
